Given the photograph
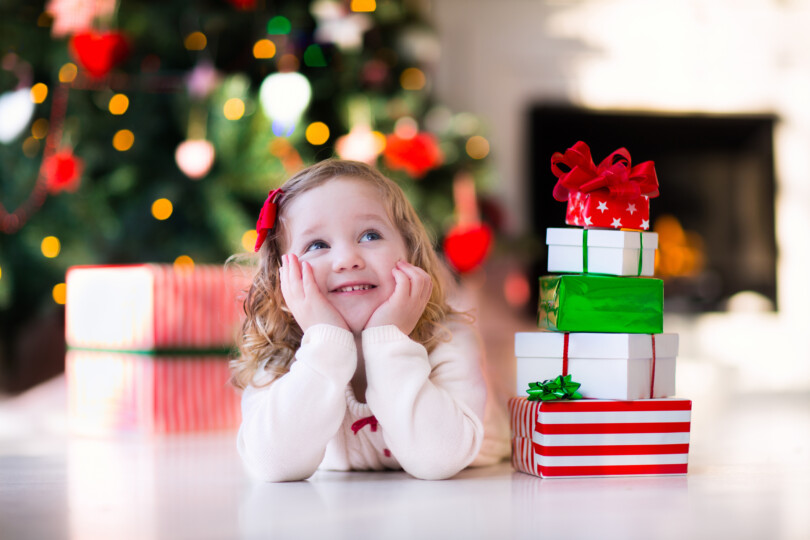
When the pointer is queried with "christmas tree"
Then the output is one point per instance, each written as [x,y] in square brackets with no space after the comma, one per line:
[137,131]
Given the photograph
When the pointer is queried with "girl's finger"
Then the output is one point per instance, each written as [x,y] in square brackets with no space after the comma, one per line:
[308,279]
[402,284]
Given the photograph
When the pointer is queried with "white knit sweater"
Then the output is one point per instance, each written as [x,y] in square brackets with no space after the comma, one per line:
[424,413]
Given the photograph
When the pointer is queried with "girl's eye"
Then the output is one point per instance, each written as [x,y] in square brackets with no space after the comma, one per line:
[317,244]
[370,235]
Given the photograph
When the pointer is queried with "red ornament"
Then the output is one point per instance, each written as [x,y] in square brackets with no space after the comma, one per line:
[416,155]
[467,246]
[99,52]
[63,171]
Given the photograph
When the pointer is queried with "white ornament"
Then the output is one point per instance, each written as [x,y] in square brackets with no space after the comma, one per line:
[284,97]
[16,110]
[336,25]
[195,157]
[360,144]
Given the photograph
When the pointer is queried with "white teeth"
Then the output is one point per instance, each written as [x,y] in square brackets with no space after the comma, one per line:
[354,288]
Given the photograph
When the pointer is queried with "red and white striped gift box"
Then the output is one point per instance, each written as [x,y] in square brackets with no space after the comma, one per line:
[151,307]
[556,439]
[114,392]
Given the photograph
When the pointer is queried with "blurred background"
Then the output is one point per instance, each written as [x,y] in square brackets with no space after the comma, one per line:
[151,132]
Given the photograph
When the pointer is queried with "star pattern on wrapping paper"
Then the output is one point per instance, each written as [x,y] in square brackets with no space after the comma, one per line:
[631,208]
[602,207]
[616,223]
[645,224]
[587,220]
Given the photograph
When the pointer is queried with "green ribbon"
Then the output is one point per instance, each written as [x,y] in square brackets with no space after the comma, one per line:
[561,387]
[640,251]
[584,251]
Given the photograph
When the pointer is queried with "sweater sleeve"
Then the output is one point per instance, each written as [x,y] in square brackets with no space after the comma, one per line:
[286,425]
[430,407]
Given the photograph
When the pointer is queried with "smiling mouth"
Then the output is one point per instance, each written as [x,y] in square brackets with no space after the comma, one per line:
[351,288]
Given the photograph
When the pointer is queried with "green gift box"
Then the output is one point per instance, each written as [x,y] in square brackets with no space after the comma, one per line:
[588,303]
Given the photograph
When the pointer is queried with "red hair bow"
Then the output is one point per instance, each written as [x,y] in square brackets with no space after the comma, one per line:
[267,217]
[614,174]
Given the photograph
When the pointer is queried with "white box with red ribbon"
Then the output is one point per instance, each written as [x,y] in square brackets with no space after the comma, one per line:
[608,366]
[148,307]
[601,251]
[558,439]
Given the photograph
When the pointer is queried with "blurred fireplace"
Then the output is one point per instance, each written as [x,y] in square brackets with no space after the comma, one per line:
[716,208]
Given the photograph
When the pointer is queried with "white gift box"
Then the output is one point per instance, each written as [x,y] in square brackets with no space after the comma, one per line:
[608,366]
[616,253]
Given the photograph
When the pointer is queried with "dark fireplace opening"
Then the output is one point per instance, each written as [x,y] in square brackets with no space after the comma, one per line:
[715,214]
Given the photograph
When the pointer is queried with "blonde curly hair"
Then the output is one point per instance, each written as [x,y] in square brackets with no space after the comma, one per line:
[270,335]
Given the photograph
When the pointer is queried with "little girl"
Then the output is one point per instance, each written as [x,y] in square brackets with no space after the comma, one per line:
[351,358]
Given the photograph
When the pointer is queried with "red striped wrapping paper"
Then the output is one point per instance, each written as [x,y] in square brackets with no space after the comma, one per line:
[151,307]
[556,439]
[113,392]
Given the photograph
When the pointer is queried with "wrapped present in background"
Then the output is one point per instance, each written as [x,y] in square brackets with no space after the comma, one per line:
[153,307]
[589,303]
[608,366]
[613,194]
[554,439]
[145,394]
[148,348]
[601,251]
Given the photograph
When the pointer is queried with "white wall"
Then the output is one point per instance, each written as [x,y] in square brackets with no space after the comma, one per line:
[698,56]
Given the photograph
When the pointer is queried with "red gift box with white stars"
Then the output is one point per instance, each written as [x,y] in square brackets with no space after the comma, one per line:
[614,194]
[598,209]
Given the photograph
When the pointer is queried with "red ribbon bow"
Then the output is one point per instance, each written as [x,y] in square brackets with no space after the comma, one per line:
[614,174]
[267,217]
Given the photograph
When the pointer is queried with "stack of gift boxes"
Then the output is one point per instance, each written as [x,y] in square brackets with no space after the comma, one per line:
[148,348]
[595,386]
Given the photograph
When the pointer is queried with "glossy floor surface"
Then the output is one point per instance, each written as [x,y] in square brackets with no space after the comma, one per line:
[749,477]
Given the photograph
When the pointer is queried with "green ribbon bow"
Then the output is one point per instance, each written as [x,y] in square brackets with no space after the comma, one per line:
[560,388]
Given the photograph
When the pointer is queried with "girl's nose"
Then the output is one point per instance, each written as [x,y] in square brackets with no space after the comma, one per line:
[347,258]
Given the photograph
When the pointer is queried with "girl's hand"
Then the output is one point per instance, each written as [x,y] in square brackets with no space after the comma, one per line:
[407,303]
[306,302]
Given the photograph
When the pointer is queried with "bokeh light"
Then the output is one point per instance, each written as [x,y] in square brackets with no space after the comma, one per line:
[59,293]
[119,104]
[30,147]
[50,246]
[195,41]
[317,133]
[279,25]
[68,72]
[123,140]
[477,147]
[364,6]
[249,239]
[183,262]
[162,209]
[39,92]
[516,289]
[264,48]
[234,109]
[412,79]
[406,128]
[39,129]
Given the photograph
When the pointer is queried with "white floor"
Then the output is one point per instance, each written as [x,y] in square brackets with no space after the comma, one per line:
[749,477]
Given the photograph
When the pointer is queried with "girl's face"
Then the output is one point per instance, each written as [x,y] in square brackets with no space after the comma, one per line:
[342,229]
